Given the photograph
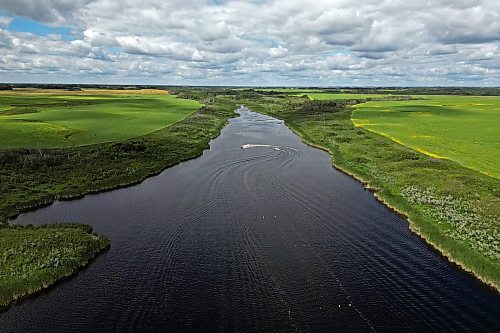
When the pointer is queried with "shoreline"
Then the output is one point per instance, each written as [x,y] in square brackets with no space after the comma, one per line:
[36,206]
[381,194]
[411,224]
[9,218]
[51,282]
[385,199]
[45,277]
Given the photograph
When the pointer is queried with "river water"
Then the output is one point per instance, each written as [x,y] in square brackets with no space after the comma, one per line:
[269,238]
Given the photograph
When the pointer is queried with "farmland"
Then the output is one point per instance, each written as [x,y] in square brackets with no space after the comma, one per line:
[30,177]
[460,128]
[289,90]
[453,207]
[54,119]
[328,96]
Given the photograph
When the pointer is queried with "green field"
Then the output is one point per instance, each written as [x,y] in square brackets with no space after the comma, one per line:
[460,128]
[32,258]
[290,90]
[329,96]
[31,177]
[66,119]
[317,94]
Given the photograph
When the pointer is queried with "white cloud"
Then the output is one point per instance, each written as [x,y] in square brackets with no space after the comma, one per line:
[5,21]
[324,42]
[46,11]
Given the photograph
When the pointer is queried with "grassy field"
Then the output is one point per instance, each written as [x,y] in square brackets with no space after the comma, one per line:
[33,258]
[50,119]
[460,128]
[289,90]
[329,96]
[455,209]
[318,94]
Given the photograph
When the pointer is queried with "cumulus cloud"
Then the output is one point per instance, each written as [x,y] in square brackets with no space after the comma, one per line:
[46,11]
[5,21]
[275,42]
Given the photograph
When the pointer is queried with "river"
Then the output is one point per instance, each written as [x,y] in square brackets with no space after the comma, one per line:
[266,238]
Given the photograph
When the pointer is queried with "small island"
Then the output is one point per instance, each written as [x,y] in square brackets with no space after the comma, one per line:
[35,257]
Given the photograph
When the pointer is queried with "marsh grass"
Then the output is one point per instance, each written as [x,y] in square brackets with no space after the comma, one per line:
[33,258]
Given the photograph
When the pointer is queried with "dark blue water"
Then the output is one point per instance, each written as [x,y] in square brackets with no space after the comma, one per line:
[263,239]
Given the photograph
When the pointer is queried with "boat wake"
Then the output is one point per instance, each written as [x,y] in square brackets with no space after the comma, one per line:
[279,148]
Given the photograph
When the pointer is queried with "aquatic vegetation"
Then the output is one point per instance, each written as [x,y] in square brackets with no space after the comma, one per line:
[466,224]
[454,208]
[33,258]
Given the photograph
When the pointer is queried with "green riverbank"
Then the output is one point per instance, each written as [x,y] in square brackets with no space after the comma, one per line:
[33,258]
[453,208]
[30,178]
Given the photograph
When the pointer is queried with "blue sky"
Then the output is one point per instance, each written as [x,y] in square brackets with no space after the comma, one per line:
[20,24]
[258,42]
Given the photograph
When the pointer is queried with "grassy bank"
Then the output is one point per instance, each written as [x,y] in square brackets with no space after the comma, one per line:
[33,177]
[453,208]
[34,258]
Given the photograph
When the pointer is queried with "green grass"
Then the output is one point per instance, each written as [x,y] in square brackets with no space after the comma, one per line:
[33,258]
[329,96]
[289,90]
[460,128]
[30,120]
[30,177]
[318,94]
[454,208]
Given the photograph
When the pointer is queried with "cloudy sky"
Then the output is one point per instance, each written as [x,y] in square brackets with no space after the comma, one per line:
[252,42]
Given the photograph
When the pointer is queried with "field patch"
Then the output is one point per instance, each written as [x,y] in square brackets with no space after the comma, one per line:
[291,91]
[330,96]
[460,128]
[29,119]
